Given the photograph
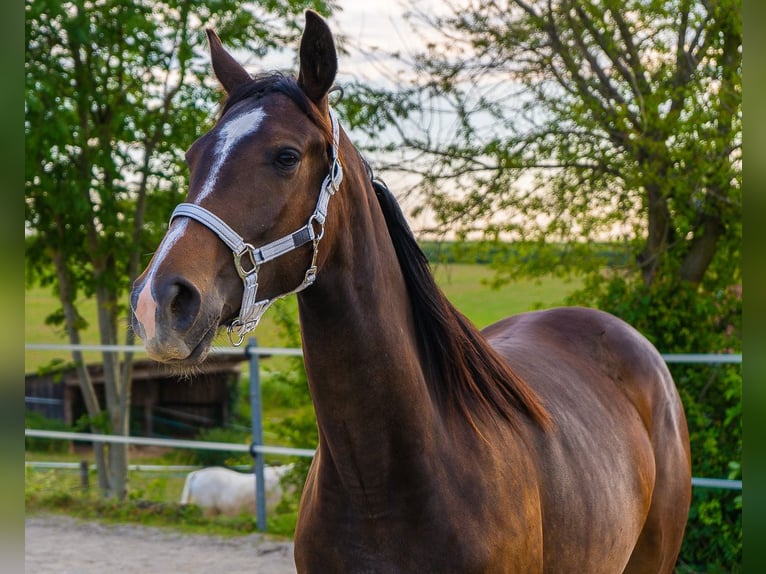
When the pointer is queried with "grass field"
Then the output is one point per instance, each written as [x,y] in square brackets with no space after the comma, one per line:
[465,285]
[467,288]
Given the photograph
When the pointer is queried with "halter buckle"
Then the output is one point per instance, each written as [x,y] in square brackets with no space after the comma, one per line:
[238,329]
[253,266]
[336,175]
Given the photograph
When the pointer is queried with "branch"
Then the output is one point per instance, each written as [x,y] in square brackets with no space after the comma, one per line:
[583,90]
[637,77]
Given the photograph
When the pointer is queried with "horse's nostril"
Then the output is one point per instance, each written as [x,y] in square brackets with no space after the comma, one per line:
[182,302]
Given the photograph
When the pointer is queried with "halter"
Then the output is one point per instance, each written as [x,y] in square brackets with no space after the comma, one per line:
[248,259]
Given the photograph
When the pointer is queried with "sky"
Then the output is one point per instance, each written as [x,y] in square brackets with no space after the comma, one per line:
[369,29]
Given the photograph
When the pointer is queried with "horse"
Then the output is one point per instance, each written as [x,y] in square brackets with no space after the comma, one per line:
[551,441]
[220,490]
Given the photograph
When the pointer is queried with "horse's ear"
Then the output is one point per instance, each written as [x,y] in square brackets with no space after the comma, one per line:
[226,68]
[319,60]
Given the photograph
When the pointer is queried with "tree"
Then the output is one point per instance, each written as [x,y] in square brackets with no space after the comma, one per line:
[583,121]
[598,138]
[116,90]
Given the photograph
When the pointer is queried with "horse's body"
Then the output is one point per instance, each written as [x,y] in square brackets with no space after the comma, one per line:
[220,490]
[553,442]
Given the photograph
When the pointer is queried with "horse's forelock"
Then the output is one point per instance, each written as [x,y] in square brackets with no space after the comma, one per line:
[276,82]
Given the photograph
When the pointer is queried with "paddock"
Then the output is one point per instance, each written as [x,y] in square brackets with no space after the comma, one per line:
[55,544]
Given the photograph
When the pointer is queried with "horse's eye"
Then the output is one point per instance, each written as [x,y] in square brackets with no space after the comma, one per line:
[287,159]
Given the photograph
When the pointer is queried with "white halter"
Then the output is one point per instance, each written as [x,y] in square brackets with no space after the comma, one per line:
[251,311]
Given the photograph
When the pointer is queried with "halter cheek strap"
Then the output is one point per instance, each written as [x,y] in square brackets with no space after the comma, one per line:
[248,259]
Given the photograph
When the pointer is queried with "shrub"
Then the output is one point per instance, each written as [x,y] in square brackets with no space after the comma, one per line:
[35,420]
[207,457]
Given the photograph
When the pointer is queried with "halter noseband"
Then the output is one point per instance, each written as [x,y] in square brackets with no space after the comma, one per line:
[248,259]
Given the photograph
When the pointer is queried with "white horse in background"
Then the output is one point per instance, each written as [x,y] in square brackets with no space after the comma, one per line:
[219,490]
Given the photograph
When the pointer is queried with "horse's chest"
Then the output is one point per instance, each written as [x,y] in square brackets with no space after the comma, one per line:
[433,535]
[399,550]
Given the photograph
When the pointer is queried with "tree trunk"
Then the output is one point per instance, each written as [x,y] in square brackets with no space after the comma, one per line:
[114,386]
[702,250]
[658,233]
[86,384]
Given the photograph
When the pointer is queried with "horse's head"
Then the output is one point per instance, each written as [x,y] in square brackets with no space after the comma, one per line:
[260,184]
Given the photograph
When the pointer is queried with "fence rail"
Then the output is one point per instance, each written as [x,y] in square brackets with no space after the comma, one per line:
[139,349]
[718,358]
[169,442]
[169,468]
[721,483]
[711,358]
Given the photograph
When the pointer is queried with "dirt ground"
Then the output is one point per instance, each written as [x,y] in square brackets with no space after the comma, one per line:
[62,545]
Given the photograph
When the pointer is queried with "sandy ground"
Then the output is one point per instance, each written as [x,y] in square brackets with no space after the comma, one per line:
[62,545]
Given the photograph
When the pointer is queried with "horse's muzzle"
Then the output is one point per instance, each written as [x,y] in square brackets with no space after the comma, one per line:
[167,317]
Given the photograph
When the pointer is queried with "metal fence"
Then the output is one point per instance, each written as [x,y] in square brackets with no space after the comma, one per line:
[257,449]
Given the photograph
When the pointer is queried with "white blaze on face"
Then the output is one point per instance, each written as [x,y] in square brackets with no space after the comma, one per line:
[229,134]
[145,305]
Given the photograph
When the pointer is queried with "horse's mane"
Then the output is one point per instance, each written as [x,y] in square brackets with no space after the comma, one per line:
[468,374]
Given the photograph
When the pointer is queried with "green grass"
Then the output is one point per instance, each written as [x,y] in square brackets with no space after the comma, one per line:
[153,501]
[464,284]
[467,287]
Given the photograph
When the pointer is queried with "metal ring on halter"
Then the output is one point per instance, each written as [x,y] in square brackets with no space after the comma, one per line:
[312,220]
[239,330]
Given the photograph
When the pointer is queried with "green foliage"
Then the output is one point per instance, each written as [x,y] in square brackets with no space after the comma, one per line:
[206,457]
[713,397]
[286,384]
[99,423]
[299,430]
[36,420]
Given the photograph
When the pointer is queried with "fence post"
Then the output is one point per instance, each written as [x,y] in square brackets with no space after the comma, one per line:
[257,433]
[84,476]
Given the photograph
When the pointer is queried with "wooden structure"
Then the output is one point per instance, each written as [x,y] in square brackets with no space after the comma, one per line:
[163,403]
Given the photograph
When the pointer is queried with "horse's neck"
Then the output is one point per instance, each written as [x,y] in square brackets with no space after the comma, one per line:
[375,415]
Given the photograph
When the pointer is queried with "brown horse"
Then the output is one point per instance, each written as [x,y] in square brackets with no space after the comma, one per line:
[554,441]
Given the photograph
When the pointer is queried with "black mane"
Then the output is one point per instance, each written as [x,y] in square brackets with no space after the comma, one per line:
[473,377]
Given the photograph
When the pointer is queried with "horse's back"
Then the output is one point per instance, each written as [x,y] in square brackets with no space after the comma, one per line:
[617,458]
[573,350]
